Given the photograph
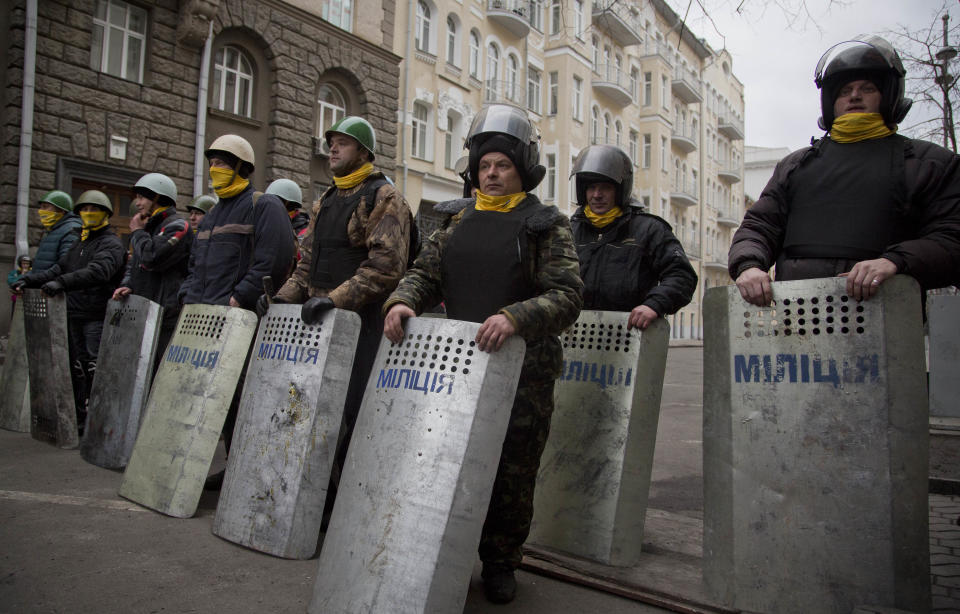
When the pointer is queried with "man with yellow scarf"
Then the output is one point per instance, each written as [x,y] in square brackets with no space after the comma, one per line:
[630,260]
[62,229]
[862,202]
[88,272]
[355,250]
[508,262]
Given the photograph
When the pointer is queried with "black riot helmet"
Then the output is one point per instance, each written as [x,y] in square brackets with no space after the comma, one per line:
[871,59]
[508,130]
[603,163]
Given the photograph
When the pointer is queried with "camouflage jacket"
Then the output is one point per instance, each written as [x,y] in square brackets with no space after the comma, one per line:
[383,230]
[556,276]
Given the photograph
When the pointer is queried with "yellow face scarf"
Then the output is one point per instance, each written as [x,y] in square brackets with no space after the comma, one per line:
[600,220]
[227,182]
[92,220]
[49,219]
[501,204]
[854,127]
[355,178]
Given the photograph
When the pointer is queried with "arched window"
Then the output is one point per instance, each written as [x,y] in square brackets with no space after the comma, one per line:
[453,57]
[474,54]
[513,73]
[421,34]
[606,128]
[596,52]
[595,125]
[233,81]
[493,62]
[618,133]
[331,107]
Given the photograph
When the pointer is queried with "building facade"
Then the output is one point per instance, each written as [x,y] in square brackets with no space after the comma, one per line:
[125,88]
[625,73]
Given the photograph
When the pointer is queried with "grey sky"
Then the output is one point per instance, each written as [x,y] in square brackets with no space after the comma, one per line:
[775,60]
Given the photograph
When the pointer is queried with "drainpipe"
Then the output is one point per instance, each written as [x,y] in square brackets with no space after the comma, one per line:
[703,195]
[198,166]
[26,128]
[406,96]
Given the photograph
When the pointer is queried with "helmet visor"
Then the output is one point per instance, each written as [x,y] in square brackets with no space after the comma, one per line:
[871,53]
[503,119]
[605,160]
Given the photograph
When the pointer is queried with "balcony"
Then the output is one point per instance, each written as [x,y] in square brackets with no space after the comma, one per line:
[686,85]
[727,219]
[618,21]
[611,81]
[716,264]
[600,140]
[729,126]
[729,174]
[684,139]
[657,49]
[684,195]
[510,92]
[514,15]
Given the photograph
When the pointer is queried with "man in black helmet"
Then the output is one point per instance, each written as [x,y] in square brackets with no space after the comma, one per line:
[629,260]
[506,261]
[862,202]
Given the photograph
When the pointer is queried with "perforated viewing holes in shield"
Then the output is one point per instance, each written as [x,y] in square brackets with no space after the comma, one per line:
[203,325]
[35,307]
[432,352]
[597,336]
[291,330]
[809,315]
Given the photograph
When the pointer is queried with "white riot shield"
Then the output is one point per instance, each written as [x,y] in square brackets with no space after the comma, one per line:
[591,495]
[53,413]
[815,449]
[286,434]
[418,474]
[15,377]
[122,382]
[944,321]
[187,407]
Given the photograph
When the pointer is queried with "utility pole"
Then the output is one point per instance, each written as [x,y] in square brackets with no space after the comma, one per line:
[945,80]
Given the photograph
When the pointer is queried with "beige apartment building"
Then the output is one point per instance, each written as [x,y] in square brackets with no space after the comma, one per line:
[623,72]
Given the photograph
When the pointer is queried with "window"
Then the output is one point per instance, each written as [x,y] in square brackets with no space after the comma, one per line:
[512,87]
[331,107]
[474,54]
[664,92]
[449,154]
[119,34]
[418,137]
[578,98]
[594,125]
[421,35]
[453,58]
[647,88]
[596,53]
[493,71]
[578,25]
[533,90]
[647,150]
[535,10]
[233,81]
[633,146]
[606,128]
[663,154]
[338,12]
[554,102]
[551,187]
[618,134]
[556,15]
[634,83]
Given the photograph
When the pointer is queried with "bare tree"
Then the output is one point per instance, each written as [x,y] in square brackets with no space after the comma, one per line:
[926,55]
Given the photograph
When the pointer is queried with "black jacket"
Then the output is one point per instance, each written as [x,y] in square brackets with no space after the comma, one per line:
[634,261]
[236,246]
[930,253]
[89,272]
[159,259]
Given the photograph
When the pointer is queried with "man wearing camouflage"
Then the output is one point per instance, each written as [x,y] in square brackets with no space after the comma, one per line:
[352,256]
[509,262]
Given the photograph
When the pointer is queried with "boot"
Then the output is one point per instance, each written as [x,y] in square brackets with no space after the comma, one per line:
[499,584]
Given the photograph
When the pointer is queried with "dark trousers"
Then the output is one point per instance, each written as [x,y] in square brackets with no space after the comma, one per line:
[84,345]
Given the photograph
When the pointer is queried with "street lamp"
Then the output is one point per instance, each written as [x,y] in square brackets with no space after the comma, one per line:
[945,79]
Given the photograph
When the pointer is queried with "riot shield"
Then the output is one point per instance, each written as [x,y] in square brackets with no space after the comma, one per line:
[122,382]
[419,473]
[815,443]
[53,413]
[187,407]
[286,434]
[15,377]
[943,313]
[591,495]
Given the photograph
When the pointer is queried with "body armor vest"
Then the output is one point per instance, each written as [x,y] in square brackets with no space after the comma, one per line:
[335,260]
[847,202]
[485,265]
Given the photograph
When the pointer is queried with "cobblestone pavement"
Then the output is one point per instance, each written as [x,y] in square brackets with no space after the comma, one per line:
[945,553]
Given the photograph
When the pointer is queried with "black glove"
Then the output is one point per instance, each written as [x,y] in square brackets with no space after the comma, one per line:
[263,304]
[313,310]
[52,288]
[19,285]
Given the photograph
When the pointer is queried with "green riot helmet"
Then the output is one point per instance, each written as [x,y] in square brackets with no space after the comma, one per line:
[288,190]
[95,197]
[159,184]
[59,199]
[355,127]
[203,203]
